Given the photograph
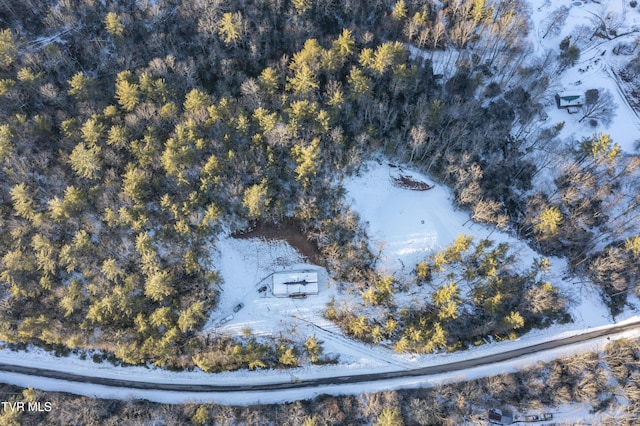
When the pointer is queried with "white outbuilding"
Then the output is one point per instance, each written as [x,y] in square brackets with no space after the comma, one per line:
[294,283]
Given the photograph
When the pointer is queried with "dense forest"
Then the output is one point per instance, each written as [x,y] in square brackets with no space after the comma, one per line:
[133,134]
[597,382]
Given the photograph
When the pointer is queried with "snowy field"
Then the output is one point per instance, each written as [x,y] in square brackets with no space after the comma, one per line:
[404,226]
[246,266]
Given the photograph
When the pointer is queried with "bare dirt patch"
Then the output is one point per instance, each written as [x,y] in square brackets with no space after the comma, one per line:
[288,231]
[407,182]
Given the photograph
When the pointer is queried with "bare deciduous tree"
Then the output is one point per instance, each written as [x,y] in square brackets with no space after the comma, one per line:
[599,105]
[555,21]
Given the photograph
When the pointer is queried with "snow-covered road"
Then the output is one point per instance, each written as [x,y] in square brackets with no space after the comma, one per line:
[272,387]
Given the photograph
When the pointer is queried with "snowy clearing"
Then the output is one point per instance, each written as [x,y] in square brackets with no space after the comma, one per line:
[405,226]
[246,267]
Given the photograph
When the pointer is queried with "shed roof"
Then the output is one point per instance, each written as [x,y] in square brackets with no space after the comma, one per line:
[295,282]
[290,277]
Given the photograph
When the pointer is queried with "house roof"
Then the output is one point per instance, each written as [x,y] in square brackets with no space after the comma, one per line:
[495,414]
[294,288]
[569,97]
[566,99]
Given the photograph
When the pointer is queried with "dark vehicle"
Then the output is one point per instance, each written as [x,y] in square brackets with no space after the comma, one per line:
[238,307]
[262,289]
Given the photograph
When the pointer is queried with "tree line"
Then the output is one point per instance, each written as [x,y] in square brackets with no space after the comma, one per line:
[459,296]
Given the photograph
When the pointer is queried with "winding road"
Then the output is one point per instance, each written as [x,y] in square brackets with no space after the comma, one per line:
[324,381]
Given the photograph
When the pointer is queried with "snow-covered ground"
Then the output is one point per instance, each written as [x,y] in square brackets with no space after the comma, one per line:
[594,68]
[37,358]
[245,264]
[404,227]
